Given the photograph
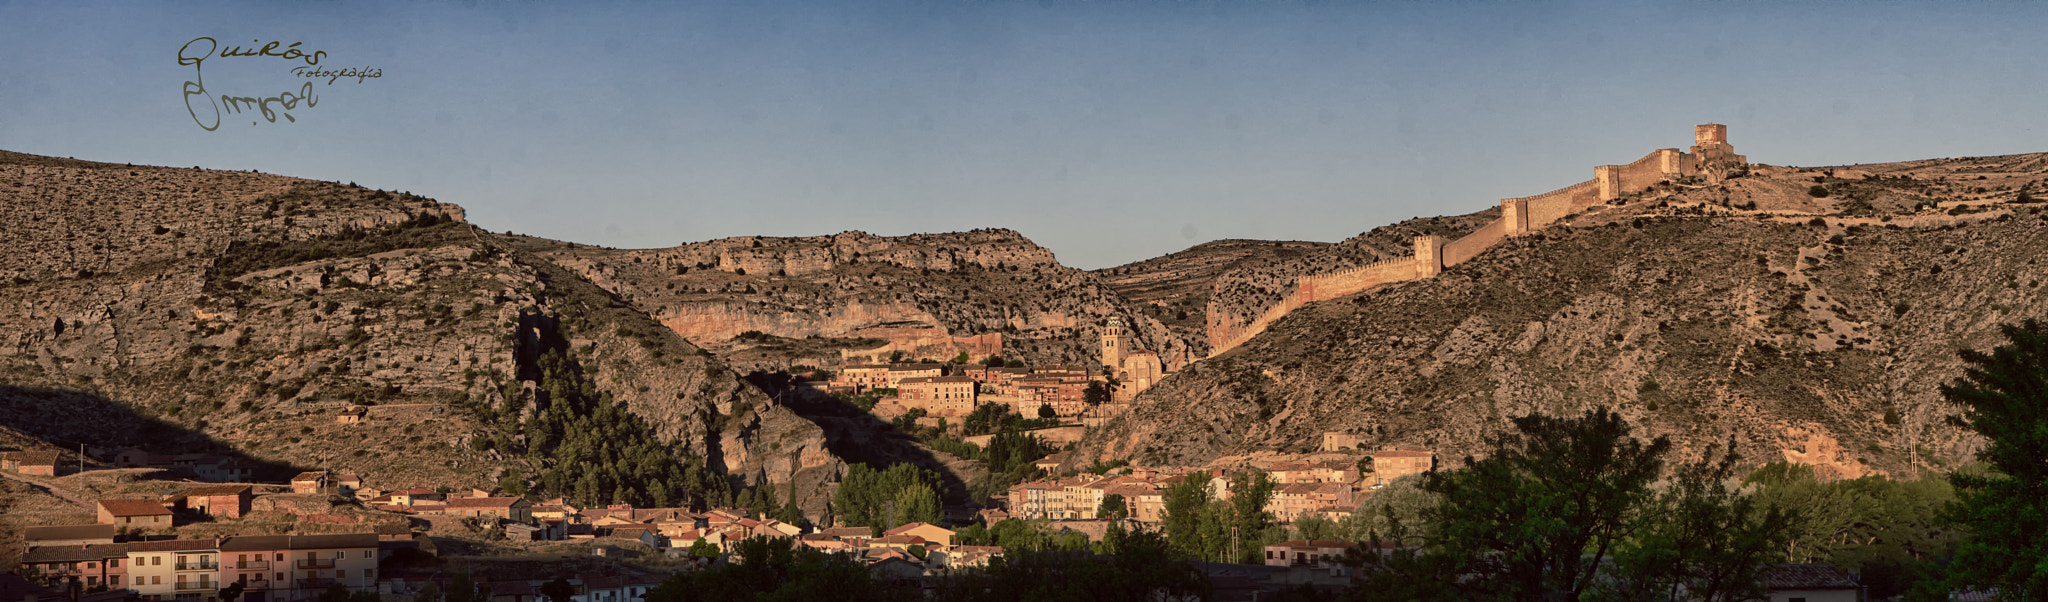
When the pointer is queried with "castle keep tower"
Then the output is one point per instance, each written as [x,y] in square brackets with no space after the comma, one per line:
[1712,156]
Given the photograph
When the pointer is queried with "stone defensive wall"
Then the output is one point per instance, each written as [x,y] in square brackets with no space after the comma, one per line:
[1518,216]
[1660,165]
[1457,251]
[1554,205]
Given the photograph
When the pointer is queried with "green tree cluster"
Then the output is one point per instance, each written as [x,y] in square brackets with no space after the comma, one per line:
[772,569]
[1203,527]
[882,499]
[1564,509]
[595,452]
[1142,567]
[2004,394]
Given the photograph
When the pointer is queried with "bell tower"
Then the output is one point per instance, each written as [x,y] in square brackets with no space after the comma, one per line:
[1116,344]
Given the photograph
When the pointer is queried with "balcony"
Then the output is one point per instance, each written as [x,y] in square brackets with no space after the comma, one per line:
[256,584]
[253,565]
[197,566]
[316,563]
[187,586]
[316,582]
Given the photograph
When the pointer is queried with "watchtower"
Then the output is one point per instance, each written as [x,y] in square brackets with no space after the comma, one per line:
[1429,255]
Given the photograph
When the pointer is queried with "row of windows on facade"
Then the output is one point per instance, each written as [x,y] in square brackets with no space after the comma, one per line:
[115,580]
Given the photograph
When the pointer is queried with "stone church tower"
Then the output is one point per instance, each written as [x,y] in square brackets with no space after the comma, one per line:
[1116,343]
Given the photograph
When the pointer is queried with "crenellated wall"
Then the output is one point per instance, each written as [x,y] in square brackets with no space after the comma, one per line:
[1457,251]
[1554,205]
[1660,165]
[1518,216]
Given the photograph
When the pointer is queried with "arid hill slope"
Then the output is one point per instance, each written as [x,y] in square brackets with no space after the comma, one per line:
[198,310]
[1694,315]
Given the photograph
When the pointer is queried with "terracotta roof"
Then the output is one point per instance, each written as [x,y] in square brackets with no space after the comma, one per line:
[134,508]
[907,527]
[1403,453]
[844,532]
[173,545]
[484,502]
[38,458]
[99,551]
[299,542]
[68,532]
[310,476]
[1808,576]
[217,490]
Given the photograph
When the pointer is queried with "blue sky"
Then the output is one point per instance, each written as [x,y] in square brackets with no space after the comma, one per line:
[1107,131]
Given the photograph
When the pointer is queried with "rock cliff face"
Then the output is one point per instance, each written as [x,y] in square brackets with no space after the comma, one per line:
[775,302]
[194,310]
[1814,338]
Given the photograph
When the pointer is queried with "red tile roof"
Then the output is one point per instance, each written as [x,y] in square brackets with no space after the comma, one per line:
[484,502]
[134,508]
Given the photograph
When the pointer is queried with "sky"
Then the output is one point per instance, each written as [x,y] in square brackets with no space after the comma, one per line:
[1108,131]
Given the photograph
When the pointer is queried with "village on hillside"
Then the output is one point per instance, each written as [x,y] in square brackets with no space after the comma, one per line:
[324,531]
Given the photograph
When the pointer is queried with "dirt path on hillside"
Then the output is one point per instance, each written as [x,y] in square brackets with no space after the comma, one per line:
[50,489]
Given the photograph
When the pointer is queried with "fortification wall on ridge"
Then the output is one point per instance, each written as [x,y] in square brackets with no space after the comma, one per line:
[1554,205]
[1460,250]
[1659,165]
[1344,282]
[1525,213]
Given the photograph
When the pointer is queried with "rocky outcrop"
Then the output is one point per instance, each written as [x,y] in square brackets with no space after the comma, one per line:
[984,292]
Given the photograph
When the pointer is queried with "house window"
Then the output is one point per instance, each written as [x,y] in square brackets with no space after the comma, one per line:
[366,553]
[156,561]
[340,573]
[369,573]
[280,576]
[113,563]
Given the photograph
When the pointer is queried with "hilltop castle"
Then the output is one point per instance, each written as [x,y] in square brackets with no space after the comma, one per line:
[1711,159]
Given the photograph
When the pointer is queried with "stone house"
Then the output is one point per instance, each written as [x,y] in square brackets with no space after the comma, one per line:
[227,501]
[1391,464]
[930,532]
[37,463]
[322,481]
[508,508]
[134,514]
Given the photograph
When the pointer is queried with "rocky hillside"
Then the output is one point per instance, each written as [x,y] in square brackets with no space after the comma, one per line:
[1812,328]
[1175,288]
[199,310]
[1240,295]
[770,303]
